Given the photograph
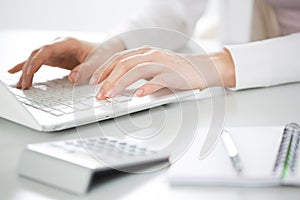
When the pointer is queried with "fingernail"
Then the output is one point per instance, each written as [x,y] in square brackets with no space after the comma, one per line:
[109,93]
[93,80]
[139,92]
[100,94]
[74,77]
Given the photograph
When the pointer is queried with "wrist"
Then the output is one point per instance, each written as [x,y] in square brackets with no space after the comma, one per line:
[225,66]
[113,45]
[215,69]
[107,49]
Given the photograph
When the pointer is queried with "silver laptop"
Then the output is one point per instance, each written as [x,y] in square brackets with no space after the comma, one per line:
[53,103]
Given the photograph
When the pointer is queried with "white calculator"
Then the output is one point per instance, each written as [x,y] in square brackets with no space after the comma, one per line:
[71,164]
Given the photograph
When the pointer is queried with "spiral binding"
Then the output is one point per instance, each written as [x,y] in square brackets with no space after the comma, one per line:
[287,153]
[294,149]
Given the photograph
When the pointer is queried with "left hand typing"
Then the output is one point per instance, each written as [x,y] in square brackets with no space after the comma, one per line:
[160,67]
[163,68]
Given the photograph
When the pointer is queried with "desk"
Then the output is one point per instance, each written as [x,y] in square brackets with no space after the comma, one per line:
[257,107]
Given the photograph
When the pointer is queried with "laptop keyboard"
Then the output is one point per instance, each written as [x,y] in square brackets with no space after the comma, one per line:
[59,97]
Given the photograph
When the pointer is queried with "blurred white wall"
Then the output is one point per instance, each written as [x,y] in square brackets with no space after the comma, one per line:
[86,15]
[70,15]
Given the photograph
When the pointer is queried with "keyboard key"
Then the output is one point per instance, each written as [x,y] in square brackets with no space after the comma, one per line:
[36,105]
[59,97]
[67,110]
[80,107]
[101,103]
[119,99]
[122,98]
[22,99]
[56,113]
[28,103]
[59,107]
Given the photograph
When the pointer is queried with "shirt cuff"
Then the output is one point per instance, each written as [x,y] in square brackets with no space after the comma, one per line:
[251,70]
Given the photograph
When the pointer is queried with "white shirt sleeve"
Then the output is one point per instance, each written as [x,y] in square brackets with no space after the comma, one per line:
[175,15]
[267,62]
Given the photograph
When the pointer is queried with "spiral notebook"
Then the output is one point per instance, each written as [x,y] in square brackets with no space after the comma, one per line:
[269,155]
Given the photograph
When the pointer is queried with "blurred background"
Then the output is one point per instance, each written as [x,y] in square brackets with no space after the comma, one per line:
[33,23]
[72,15]
[83,15]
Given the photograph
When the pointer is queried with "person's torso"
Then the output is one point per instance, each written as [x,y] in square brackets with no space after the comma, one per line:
[252,20]
[288,15]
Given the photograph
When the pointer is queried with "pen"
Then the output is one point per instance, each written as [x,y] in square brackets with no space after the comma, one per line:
[232,151]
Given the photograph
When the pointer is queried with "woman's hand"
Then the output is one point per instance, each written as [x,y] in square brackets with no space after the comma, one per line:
[163,69]
[81,57]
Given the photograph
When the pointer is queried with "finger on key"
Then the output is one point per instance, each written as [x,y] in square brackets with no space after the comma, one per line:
[104,70]
[27,82]
[141,71]
[126,65]
[84,70]
[22,80]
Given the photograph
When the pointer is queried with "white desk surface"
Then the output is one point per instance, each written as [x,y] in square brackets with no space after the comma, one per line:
[258,107]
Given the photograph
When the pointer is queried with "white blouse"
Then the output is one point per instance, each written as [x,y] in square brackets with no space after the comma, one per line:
[257,64]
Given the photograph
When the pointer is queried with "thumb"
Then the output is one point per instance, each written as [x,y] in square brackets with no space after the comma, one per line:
[148,88]
[76,74]
[84,70]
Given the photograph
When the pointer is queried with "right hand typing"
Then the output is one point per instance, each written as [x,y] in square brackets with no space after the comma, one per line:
[81,57]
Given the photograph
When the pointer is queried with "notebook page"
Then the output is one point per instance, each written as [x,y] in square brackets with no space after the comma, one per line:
[257,146]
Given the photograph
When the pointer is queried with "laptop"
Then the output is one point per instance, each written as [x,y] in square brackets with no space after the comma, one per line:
[53,103]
